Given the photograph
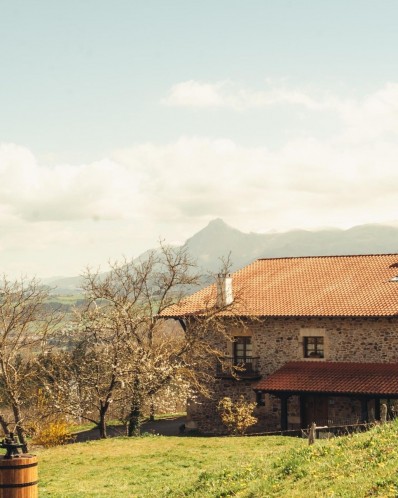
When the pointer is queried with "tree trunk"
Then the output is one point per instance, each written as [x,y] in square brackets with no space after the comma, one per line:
[134,419]
[152,410]
[134,425]
[4,424]
[19,426]
[102,420]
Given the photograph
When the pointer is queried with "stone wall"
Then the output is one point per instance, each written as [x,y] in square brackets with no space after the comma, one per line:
[280,340]
[202,412]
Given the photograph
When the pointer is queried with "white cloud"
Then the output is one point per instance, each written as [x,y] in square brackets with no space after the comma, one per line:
[196,94]
[373,116]
[198,178]
[365,118]
[305,183]
[100,190]
[121,204]
[225,94]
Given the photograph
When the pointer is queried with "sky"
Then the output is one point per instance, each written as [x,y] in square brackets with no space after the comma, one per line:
[123,122]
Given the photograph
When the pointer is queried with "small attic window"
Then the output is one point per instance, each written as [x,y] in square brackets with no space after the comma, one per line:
[394,265]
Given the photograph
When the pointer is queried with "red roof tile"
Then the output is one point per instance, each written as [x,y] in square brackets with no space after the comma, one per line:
[379,379]
[308,286]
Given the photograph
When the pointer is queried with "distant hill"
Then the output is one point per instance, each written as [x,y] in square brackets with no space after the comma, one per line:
[65,285]
[218,239]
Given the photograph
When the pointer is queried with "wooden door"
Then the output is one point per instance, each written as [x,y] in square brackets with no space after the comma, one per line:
[315,410]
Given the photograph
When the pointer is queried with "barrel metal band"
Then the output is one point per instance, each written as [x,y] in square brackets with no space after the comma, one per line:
[16,467]
[19,485]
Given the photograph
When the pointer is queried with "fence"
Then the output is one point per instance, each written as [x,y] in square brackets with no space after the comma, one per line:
[322,432]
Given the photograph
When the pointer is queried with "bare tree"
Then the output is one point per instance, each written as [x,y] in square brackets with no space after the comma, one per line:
[25,322]
[133,296]
[84,380]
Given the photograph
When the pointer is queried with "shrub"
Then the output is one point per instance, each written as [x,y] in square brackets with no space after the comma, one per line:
[52,433]
[236,416]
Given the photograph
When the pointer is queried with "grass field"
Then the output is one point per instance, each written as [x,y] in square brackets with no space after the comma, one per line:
[357,466]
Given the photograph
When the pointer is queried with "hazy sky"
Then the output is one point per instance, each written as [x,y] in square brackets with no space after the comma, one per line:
[122,122]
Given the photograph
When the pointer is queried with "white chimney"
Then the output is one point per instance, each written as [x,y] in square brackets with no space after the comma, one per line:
[224,290]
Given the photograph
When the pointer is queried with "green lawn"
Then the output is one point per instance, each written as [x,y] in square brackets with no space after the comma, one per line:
[155,466]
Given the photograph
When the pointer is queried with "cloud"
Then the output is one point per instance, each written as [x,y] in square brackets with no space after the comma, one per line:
[196,94]
[121,204]
[34,192]
[365,118]
[307,182]
[198,178]
[226,94]
[373,116]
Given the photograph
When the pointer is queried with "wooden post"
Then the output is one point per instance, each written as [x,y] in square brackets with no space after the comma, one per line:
[312,433]
[303,418]
[364,410]
[383,413]
[377,408]
[284,399]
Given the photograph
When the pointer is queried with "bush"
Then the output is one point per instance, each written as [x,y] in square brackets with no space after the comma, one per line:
[52,433]
[237,417]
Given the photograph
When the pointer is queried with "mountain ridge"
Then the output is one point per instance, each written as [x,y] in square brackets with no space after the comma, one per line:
[217,239]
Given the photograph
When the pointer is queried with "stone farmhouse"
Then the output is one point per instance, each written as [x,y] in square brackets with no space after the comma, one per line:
[317,340]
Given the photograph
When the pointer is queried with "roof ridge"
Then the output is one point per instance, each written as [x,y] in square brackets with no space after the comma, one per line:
[318,362]
[328,256]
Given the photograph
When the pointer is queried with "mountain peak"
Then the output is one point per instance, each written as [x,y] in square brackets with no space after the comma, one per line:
[217,223]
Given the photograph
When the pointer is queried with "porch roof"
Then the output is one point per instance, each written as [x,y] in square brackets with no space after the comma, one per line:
[379,379]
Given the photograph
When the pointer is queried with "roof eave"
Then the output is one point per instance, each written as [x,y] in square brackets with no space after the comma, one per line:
[291,392]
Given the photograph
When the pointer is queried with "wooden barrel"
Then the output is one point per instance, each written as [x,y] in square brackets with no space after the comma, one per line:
[18,477]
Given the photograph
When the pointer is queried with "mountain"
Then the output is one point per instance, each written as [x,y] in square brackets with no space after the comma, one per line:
[65,285]
[218,239]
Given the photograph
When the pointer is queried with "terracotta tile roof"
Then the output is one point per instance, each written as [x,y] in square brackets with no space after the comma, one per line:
[333,377]
[308,286]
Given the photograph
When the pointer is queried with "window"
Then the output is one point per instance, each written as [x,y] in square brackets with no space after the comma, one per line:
[243,357]
[242,349]
[313,347]
[313,343]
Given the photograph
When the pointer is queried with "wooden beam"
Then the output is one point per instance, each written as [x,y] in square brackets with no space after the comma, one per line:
[377,409]
[303,412]
[364,410]
[284,415]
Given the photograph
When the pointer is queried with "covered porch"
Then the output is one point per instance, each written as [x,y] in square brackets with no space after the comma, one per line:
[331,393]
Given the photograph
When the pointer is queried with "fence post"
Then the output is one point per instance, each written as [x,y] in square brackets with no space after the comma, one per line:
[312,433]
[383,413]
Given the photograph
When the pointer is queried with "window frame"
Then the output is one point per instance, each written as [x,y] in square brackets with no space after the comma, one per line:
[246,340]
[317,344]
[313,332]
